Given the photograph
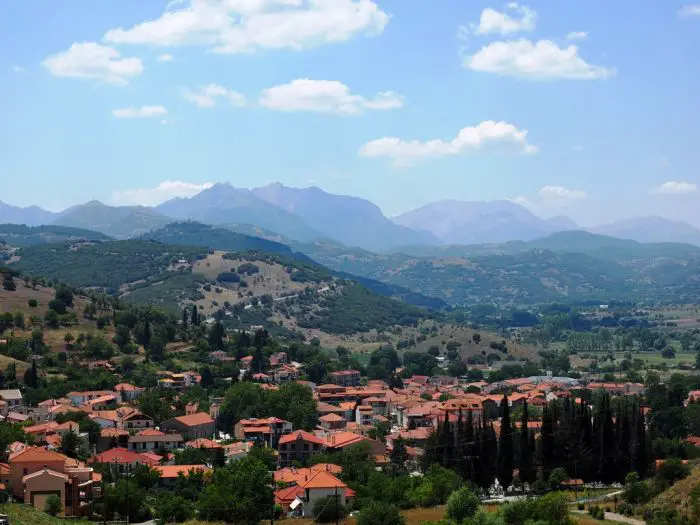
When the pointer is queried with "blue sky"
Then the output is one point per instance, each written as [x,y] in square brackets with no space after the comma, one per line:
[588,109]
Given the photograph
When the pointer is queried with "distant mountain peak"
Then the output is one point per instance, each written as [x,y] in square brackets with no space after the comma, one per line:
[477,222]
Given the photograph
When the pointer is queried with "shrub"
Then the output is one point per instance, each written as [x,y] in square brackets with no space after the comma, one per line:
[380,513]
[461,504]
[329,509]
[53,505]
[33,303]
[228,277]
[248,269]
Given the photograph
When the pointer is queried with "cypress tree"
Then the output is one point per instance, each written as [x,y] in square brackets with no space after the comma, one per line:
[639,455]
[505,446]
[546,440]
[195,315]
[185,318]
[525,452]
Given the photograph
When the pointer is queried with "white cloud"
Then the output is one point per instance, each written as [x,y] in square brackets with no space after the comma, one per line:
[487,135]
[142,112]
[166,190]
[237,26]
[166,57]
[541,60]
[90,60]
[17,69]
[493,21]
[523,201]
[690,10]
[561,193]
[324,96]
[674,187]
[207,96]
[577,35]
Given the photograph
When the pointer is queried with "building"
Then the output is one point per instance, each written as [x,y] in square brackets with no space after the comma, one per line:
[313,486]
[345,378]
[170,473]
[128,393]
[298,446]
[36,473]
[199,425]
[266,431]
[155,440]
[124,459]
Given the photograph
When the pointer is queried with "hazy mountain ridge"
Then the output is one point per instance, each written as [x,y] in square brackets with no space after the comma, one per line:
[29,216]
[222,204]
[280,213]
[464,222]
[651,229]
[120,222]
[350,220]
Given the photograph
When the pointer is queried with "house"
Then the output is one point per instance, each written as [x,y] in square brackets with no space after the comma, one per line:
[126,418]
[192,426]
[128,393]
[298,446]
[170,473]
[345,378]
[315,486]
[268,430]
[124,459]
[363,415]
[178,381]
[285,374]
[149,440]
[111,438]
[341,440]
[332,421]
[81,398]
[36,473]
[12,397]
[236,451]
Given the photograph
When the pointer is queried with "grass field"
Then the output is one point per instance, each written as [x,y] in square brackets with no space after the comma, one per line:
[26,515]
[413,517]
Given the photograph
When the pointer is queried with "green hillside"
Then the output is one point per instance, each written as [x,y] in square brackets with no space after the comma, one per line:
[198,234]
[103,264]
[19,235]
[120,222]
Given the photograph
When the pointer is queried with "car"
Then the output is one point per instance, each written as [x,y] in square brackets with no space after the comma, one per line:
[4,520]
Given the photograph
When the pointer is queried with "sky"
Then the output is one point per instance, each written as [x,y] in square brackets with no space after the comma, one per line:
[586,109]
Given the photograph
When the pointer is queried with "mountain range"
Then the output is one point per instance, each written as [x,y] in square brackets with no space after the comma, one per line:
[312,215]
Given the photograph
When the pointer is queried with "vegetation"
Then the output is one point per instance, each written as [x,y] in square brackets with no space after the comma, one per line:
[105,265]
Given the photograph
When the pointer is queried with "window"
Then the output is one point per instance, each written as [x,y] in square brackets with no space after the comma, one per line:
[24,471]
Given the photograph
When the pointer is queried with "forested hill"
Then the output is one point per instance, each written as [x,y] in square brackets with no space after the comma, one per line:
[198,234]
[108,265]
[19,235]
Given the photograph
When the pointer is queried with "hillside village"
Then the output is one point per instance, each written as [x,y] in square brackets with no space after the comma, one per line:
[105,399]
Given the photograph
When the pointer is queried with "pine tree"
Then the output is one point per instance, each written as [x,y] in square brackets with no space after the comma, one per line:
[398,456]
[505,446]
[527,473]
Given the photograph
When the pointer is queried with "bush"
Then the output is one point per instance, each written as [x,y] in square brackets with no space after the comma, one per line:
[461,504]
[380,513]
[53,505]
[596,512]
[625,509]
[33,303]
[228,277]
[329,509]
[248,269]
[580,506]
